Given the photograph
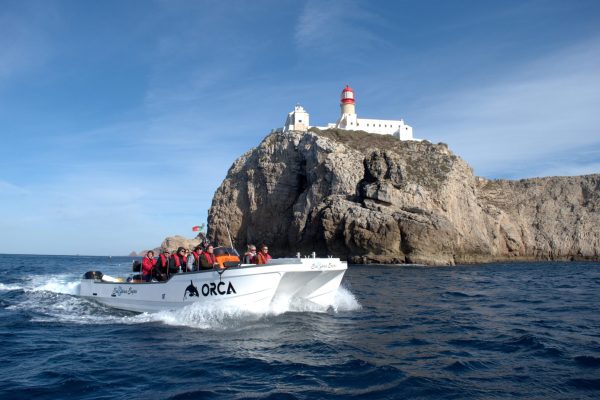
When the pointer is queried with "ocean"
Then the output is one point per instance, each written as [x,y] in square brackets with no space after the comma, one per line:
[520,330]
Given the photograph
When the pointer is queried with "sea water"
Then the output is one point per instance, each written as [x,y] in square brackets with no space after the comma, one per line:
[522,330]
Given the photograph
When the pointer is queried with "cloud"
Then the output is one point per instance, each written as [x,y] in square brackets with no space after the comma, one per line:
[336,27]
[9,189]
[538,110]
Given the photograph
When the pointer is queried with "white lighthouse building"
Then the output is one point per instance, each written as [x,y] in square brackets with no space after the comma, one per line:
[298,120]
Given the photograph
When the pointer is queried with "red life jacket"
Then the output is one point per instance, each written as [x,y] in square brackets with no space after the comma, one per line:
[262,259]
[210,258]
[164,261]
[175,258]
[197,258]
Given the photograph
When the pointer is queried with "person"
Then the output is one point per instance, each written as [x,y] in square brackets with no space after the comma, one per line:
[250,255]
[161,269]
[148,264]
[177,262]
[208,259]
[193,261]
[263,257]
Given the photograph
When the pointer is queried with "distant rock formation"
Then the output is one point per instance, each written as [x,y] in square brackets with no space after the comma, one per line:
[173,242]
[133,254]
[374,199]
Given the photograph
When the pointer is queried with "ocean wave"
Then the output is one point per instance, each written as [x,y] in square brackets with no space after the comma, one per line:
[464,366]
[588,361]
[10,287]
[584,384]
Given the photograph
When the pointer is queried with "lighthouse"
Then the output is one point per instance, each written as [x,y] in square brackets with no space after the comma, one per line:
[348,117]
[297,120]
[347,102]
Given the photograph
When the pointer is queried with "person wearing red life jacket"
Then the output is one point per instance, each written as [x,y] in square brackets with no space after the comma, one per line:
[250,255]
[148,264]
[177,262]
[208,259]
[161,269]
[263,256]
[193,261]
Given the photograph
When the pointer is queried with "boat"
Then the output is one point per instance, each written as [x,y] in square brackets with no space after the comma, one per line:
[243,286]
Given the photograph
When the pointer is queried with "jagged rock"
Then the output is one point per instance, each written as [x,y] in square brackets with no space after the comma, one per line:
[373,198]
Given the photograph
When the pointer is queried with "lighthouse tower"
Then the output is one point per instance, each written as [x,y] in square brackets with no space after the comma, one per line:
[347,101]
[348,111]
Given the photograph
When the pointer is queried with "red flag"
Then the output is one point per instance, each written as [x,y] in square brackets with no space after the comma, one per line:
[195,228]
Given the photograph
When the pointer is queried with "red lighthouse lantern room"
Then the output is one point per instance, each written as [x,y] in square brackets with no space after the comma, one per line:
[347,95]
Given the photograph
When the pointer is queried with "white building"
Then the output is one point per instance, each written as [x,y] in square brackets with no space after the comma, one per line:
[299,120]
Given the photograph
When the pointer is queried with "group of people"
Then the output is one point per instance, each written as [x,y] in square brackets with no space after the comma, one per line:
[252,257]
[202,257]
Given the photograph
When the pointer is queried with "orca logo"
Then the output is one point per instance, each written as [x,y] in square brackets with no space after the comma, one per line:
[191,291]
[216,289]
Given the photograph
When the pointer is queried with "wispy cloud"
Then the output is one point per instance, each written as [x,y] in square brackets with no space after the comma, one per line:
[538,110]
[7,188]
[336,27]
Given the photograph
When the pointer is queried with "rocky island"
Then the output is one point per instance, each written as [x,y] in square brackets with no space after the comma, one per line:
[375,199]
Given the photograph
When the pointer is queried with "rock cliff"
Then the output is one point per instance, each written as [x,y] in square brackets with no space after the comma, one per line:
[372,198]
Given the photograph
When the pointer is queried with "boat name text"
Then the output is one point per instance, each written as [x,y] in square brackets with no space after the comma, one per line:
[216,289]
[117,291]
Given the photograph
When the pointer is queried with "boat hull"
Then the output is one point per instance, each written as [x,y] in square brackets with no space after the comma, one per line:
[248,287]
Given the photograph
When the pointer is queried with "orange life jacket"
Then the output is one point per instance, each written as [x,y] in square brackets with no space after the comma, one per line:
[262,259]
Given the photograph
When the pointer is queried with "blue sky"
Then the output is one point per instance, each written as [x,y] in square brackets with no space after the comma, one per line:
[119,119]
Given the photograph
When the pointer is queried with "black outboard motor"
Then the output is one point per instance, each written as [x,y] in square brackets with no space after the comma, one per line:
[136,266]
[97,275]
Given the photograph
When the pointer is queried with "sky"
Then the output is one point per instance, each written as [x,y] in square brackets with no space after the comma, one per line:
[120,119]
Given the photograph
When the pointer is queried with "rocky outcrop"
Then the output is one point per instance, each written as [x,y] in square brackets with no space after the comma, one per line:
[373,198]
[172,243]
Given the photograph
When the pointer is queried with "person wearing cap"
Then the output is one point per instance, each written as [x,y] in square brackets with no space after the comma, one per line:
[250,255]
[177,262]
[193,261]
[148,264]
[263,257]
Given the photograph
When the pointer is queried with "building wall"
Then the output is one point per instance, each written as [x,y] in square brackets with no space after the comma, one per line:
[297,120]
[379,126]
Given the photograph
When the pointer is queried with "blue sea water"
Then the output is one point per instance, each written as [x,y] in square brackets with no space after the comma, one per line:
[522,330]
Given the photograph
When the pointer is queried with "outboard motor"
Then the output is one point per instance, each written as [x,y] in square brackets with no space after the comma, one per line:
[136,266]
[97,275]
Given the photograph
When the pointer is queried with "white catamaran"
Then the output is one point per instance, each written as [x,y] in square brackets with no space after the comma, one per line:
[246,286]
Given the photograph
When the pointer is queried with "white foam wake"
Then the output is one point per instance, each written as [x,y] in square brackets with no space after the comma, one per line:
[63,284]
[8,288]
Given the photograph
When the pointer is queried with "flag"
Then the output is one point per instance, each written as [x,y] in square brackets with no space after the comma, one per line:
[195,228]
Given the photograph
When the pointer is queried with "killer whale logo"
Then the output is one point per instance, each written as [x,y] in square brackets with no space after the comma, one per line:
[191,291]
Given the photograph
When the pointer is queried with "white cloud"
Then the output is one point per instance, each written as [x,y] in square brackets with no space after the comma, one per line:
[539,110]
[335,27]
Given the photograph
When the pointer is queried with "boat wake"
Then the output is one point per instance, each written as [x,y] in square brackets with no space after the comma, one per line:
[47,299]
